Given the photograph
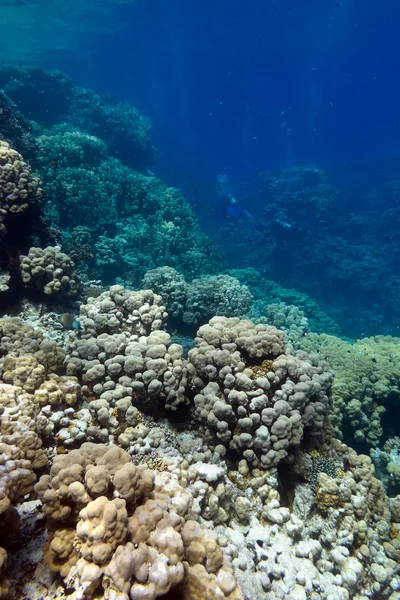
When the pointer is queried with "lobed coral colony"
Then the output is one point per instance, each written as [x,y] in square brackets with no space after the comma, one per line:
[183,433]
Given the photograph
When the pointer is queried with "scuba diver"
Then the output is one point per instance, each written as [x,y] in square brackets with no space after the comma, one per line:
[229,207]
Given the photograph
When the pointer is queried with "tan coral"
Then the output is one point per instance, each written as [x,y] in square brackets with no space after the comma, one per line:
[102,527]
[24,371]
[59,552]
[201,548]
[132,548]
[17,339]
[16,477]
[18,425]
[123,341]
[19,189]
[4,582]
[260,414]
[133,483]
[50,271]
[59,390]
[50,356]
[198,584]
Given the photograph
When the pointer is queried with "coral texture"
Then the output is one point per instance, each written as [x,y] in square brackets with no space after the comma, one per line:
[366,383]
[131,536]
[19,189]
[50,271]
[255,398]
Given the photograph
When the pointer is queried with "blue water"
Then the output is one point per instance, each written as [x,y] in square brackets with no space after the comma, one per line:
[259,88]
[215,75]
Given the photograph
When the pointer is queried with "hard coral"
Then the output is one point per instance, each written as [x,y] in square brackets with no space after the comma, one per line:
[132,539]
[367,375]
[263,417]
[19,189]
[50,272]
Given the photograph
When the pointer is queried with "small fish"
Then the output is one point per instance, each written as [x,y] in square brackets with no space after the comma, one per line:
[284,224]
[67,320]
[315,68]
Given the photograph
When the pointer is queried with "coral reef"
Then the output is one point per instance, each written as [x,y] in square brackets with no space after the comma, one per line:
[219,295]
[116,222]
[266,292]
[135,221]
[19,189]
[196,302]
[387,465]
[126,132]
[258,400]
[132,533]
[140,464]
[288,318]
[50,97]
[14,129]
[43,95]
[250,498]
[49,271]
[366,384]
[307,235]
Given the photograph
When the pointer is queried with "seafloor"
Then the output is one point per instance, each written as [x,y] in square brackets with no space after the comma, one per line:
[168,428]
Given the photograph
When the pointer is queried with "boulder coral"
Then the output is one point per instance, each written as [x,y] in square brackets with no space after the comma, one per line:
[19,188]
[131,536]
[50,272]
[258,400]
[196,302]
[244,495]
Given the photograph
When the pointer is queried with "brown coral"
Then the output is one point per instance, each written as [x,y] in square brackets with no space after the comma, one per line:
[50,271]
[19,189]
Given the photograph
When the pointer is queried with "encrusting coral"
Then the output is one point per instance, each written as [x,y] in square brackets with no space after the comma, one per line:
[366,384]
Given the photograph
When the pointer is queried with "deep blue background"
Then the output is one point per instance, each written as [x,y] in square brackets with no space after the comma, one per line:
[214,75]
